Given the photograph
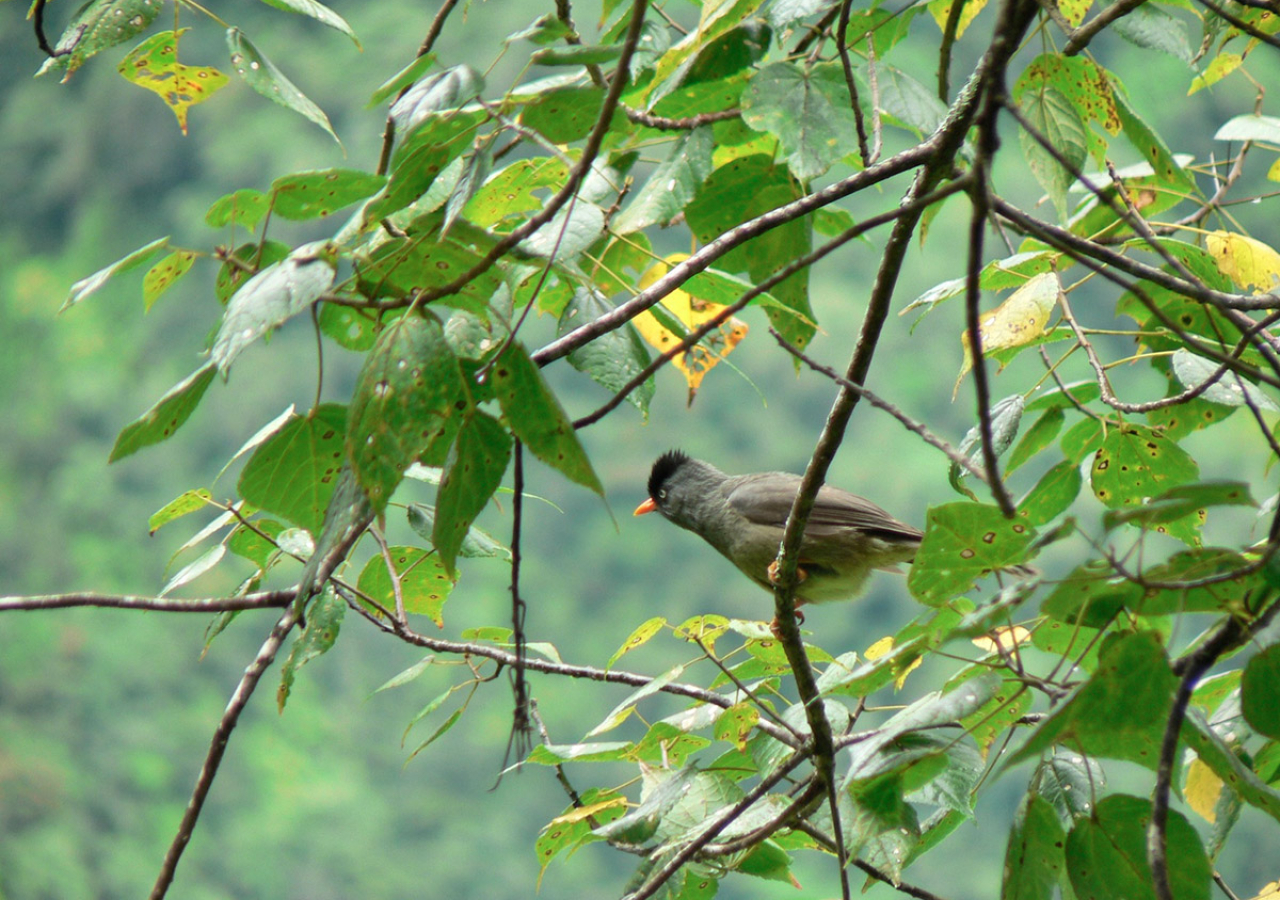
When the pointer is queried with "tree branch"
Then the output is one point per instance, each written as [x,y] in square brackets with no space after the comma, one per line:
[218,746]
[259,600]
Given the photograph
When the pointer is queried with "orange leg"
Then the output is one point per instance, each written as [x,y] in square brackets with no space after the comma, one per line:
[801,575]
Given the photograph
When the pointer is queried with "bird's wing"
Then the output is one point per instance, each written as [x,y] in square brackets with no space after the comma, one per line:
[766,500]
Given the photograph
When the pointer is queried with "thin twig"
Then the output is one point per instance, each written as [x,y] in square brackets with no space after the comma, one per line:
[389,131]
[259,600]
[880,403]
[850,84]
[218,746]
[649,120]
[1079,38]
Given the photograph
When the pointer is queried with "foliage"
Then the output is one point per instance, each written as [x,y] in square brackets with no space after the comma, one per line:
[765,135]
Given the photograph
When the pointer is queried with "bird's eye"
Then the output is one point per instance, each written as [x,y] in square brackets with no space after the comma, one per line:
[662,494]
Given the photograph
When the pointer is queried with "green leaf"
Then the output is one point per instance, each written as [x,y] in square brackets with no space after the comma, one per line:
[259,549]
[1229,390]
[1259,689]
[262,75]
[95,27]
[514,191]
[318,11]
[1033,863]
[672,185]
[1120,712]
[478,544]
[1106,853]
[424,583]
[565,115]
[1091,595]
[194,570]
[807,109]
[274,295]
[1135,463]
[86,286]
[314,195]
[583,55]
[1036,438]
[1082,392]
[402,266]
[188,502]
[164,274]
[348,515]
[324,622]
[231,277]
[421,156]
[962,542]
[612,359]
[441,92]
[1181,501]
[294,472]
[740,190]
[349,327]
[598,751]
[907,100]
[1150,26]
[1006,416]
[410,395]
[1052,116]
[637,638]
[472,473]
[1153,148]
[537,418]
[167,416]
[402,79]
[244,207]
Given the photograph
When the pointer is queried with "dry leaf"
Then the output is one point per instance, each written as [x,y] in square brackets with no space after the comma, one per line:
[1005,638]
[692,312]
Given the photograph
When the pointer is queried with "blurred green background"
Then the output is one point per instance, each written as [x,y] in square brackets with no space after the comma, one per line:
[105,716]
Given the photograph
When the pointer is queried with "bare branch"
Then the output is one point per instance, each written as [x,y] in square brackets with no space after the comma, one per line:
[259,600]
[218,746]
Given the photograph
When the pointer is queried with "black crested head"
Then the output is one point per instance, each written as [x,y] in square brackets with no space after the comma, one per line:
[664,467]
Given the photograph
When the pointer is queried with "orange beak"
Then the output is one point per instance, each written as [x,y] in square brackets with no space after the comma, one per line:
[647,506]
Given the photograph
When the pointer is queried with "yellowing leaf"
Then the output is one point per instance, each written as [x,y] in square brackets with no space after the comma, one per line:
[1223,65]
[692,312]
[154,65]
[941,10]
[1273,173]
[1269,892]
[1005,638]
[1018,321]
[585,812]
[883,647]
[1246,261]
[1074,10]
[1203,790]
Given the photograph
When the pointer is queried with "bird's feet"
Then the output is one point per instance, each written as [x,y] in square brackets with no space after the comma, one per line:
[772,573]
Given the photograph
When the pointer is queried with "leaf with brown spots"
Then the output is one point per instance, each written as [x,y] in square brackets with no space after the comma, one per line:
[962,542]
[313,195]
[294,472]
[1016,322]
[324,621]
[164,274]
[1135,463]
[410,396]
[472,473]
[424,584]
[154,65]
[162,420]
[536,417]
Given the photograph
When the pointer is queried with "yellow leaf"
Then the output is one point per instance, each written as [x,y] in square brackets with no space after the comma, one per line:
[941,10]
[1269,892]
[583,812]
[1273,174]
[1018,321]
[692,312]
[1223,65]
[1005,638]
[154,65]
[879,648]
[1203,790]
[1074,10]
[1246,261]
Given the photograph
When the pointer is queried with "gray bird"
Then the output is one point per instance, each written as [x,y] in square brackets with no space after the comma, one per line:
[743,516]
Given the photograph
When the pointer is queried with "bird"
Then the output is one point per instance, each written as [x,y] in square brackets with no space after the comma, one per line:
[743,516]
